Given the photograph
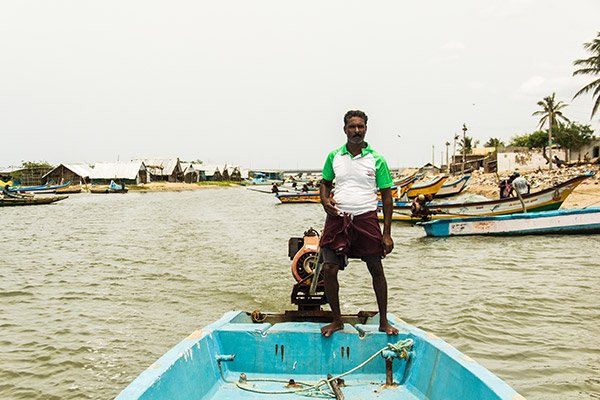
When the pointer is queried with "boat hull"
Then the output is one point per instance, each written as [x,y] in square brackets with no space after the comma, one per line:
[30,201]
[565,221]
[431,187]
[314,197]
[212,363]
[544,200]
[452,188]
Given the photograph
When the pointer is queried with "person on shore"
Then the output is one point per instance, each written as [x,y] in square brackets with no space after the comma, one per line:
[506,187]
[351,227]
[520,184]
[559,163]
[305,188]
[275,189]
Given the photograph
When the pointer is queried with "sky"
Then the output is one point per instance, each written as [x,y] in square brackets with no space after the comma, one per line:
[265,84]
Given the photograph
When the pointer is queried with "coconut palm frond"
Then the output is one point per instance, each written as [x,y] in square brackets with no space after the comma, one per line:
[591,67]
[587,71]
[588,87]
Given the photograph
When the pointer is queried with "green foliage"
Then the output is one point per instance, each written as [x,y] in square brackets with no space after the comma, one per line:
[574,136]
[535,140]
[520,141]
[551,112]
[36,165]
[494,142]
[590,66]
[467,143]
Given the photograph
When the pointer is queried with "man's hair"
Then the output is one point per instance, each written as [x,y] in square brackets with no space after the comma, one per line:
[355,113]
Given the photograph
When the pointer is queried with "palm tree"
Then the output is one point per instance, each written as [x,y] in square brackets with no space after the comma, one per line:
[495,143]
[467,145]
[591,66]
[551,112]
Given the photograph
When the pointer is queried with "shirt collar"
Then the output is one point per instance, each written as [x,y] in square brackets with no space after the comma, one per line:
[363,152]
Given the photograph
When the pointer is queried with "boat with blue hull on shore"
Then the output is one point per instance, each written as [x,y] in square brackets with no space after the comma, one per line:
[285,356]
[563,221]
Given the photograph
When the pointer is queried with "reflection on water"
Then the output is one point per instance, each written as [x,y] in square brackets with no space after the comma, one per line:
[95,288]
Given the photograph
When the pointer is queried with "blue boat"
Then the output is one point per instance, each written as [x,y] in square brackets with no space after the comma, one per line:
[258,356]
[284,355]
[562,221]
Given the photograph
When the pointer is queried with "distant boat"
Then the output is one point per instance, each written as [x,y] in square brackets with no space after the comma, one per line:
[111,188]
[314,196]
[452,188]
[430,187]
[564,221]
[48,188]
[29,201]
[544,200]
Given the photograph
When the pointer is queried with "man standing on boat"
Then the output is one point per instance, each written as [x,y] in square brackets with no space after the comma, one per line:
[351,227]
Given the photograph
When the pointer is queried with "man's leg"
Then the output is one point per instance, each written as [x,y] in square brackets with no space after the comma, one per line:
[380,286]
[332,291]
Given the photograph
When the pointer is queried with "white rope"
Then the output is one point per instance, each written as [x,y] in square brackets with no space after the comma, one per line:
[401,349]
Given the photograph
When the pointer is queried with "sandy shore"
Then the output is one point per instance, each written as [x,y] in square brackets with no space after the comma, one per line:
[179,186]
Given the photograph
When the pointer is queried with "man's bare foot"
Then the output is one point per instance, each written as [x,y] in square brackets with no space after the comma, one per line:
[389,329]
[327,330]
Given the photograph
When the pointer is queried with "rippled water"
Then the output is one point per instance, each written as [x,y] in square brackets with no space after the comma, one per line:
[95,288]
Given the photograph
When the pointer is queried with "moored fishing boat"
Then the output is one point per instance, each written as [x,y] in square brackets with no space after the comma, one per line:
[284,356]
[430,187]
[449,189]
[29,201]
[305,197]
[111,188]
[564,221]
[544,200]
[314,197]
[47,188]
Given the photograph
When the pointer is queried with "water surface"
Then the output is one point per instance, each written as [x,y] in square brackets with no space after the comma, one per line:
[95,288]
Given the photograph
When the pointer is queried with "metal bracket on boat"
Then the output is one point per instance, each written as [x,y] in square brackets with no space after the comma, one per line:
[225,357]
[400,350]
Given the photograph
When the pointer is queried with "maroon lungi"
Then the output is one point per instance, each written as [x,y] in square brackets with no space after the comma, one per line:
[356,236]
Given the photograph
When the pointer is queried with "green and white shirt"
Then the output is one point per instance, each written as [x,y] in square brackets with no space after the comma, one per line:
[357,178]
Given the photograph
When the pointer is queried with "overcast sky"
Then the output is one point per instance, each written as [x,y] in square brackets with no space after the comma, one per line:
[265,84]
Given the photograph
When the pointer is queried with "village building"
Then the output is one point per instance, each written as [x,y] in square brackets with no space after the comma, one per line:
[129,173]
[588,153]
[231,173]
[523,158]
[211,172]
[163,169]
[78,174]
[192,172]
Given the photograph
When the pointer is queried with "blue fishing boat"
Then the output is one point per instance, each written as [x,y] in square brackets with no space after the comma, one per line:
[41,189]
[563,221]
[284,355]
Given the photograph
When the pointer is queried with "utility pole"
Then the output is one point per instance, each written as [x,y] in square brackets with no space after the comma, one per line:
[447,161]
[464,149]
[550,142]
[454,150]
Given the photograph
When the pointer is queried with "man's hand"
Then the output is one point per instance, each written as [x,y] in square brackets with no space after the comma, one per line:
[330,208]
[388,244]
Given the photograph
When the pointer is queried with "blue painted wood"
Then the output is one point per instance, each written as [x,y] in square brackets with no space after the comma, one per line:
[297,350]
[519,224]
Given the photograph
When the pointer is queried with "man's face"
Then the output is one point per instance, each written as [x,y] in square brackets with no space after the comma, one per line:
[355,130]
